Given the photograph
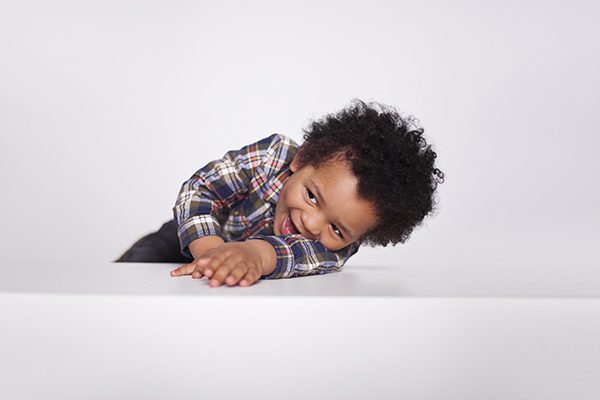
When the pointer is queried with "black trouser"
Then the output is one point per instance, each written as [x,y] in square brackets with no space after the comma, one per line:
[160,246]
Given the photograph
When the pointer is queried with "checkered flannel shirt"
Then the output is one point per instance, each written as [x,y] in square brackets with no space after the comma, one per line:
[235,198]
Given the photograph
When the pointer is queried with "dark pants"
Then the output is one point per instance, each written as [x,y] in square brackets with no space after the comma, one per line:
[161,246]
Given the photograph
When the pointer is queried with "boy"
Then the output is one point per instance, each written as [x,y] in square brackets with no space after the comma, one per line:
[276,210]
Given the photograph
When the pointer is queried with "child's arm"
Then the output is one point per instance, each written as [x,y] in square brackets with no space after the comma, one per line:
[221,183]
[246,262]
[299,256]
[201,245]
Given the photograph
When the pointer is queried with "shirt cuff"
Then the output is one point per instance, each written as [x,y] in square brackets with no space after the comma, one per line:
[284,266]
[194,228]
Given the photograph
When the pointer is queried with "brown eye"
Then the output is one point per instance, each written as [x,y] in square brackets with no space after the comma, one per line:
[337,231]
[311,196]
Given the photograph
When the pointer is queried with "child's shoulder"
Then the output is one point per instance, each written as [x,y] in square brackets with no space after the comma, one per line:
[278,140]
[278,151]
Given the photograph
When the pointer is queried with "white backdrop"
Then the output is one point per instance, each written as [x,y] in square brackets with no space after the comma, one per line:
[107,107]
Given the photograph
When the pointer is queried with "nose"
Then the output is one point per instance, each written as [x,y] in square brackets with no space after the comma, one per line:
[312,222]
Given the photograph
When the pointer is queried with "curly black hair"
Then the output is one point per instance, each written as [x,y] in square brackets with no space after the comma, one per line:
[389,156]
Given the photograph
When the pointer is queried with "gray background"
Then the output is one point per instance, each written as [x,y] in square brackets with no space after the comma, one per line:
[107,107]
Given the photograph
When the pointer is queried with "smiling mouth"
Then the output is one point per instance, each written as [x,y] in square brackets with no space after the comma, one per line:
[288,227]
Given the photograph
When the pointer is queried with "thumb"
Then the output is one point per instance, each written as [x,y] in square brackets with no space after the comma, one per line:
[183,270]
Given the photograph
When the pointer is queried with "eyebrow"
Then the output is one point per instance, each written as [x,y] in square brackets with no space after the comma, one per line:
[339,224]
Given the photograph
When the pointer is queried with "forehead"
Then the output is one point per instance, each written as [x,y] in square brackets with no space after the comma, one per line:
[338,187]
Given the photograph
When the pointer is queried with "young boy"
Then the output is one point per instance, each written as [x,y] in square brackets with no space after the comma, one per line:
[363,176]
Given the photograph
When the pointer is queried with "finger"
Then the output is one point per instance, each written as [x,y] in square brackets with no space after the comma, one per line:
[209,267]
[251,276]
[201,264]
[197,274]
[221,273]
[183,270]
[236,274]
[199,267]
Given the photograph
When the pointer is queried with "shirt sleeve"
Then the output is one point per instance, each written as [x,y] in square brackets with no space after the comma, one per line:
[221,183]
[299,256]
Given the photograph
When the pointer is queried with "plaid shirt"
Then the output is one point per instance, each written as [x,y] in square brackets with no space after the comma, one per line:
[235,198]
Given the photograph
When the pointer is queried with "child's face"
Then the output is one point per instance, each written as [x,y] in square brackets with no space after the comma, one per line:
[320,202]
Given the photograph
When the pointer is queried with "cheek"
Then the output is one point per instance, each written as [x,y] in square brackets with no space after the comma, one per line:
[290,198]
[282,204]
[297,196]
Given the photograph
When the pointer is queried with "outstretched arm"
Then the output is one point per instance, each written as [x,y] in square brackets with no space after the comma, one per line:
[272,257]
[233,263]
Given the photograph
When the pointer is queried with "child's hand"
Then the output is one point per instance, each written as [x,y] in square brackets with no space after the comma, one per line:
[231,263]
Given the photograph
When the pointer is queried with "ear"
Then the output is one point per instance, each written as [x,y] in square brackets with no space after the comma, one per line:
[295,165]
